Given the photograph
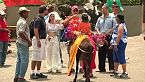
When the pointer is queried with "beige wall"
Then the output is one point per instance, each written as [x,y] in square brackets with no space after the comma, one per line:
[13,16]
[134,19]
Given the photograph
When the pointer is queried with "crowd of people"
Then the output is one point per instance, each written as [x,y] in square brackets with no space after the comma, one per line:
[44,40]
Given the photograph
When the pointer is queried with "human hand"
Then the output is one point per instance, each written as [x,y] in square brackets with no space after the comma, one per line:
[115,48]
[39,44]
[29,43]
[111,47]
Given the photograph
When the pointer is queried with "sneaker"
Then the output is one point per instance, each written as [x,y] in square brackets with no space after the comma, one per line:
[58,71]
[111,71]
[124,75]
[21,80]
[101,71]
[49,71]
[1,65]
[16,79]
[115,75]
[33,76]
[41,75]
[72,70]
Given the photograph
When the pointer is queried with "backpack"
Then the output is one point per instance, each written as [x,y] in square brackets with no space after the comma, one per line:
[31,28]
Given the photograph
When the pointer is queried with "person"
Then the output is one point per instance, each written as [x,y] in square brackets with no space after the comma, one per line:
[105,25]
[115,12]
[72,22]
[39,43]
[23,43]
[110,3]
[115,9]
[51,8]
[119,42]
[53,54]
[85,28]
[4,38]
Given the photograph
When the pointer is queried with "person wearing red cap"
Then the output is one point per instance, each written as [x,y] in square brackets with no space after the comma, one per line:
[72,22]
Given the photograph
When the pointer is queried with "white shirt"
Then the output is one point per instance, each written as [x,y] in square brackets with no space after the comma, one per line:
[22,26]
[53,27]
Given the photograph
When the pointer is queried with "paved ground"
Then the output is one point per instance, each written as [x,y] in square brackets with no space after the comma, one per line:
[135,66]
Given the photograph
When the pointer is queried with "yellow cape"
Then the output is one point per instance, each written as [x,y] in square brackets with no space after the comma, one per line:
[73,51]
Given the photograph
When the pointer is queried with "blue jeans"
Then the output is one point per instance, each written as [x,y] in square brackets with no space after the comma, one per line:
[3,52]
[22,60]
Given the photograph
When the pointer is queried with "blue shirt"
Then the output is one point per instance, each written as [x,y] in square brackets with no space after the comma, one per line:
[41,25]
[105,24]
[115,34]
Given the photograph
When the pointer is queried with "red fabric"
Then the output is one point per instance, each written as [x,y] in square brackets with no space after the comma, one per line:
[11,3]
[85,27]
[3,34]
[74,24]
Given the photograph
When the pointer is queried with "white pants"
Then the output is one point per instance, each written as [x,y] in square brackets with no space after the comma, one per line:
[53,54]
[39,54]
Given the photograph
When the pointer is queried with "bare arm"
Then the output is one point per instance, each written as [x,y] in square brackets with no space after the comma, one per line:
[36,34]
[98,32]
[66,21]
[120,33]
[24,36]
[22,33]
[110,31]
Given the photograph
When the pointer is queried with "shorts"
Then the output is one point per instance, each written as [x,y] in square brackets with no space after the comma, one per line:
[119,56]
[38,54]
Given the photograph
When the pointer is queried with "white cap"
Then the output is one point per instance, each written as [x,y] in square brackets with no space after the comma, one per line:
[23,9]
[2,13]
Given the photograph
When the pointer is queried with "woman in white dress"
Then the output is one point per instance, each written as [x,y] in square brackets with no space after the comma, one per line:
[53,54]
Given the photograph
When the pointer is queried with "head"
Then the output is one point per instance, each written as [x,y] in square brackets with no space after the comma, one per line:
[51,17]
[120,18]
[75,10]
[43,10]
[2,14]
[85,17]
[50,8]
[115,9]
[24,12]
[105,9]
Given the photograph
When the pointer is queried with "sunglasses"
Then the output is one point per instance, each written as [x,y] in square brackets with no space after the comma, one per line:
[75,10]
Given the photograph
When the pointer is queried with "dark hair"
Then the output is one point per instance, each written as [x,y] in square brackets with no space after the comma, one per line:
[85,17]
[49,18]
[42,8]
[105,5]
[121,18]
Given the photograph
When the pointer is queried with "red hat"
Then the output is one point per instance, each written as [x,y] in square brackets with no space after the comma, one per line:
[74,7]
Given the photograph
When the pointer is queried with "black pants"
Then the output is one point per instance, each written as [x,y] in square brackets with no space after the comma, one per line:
[104,52]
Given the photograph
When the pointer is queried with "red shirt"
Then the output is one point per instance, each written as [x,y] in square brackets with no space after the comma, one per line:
[4,35]
[85,27]
[74,24]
